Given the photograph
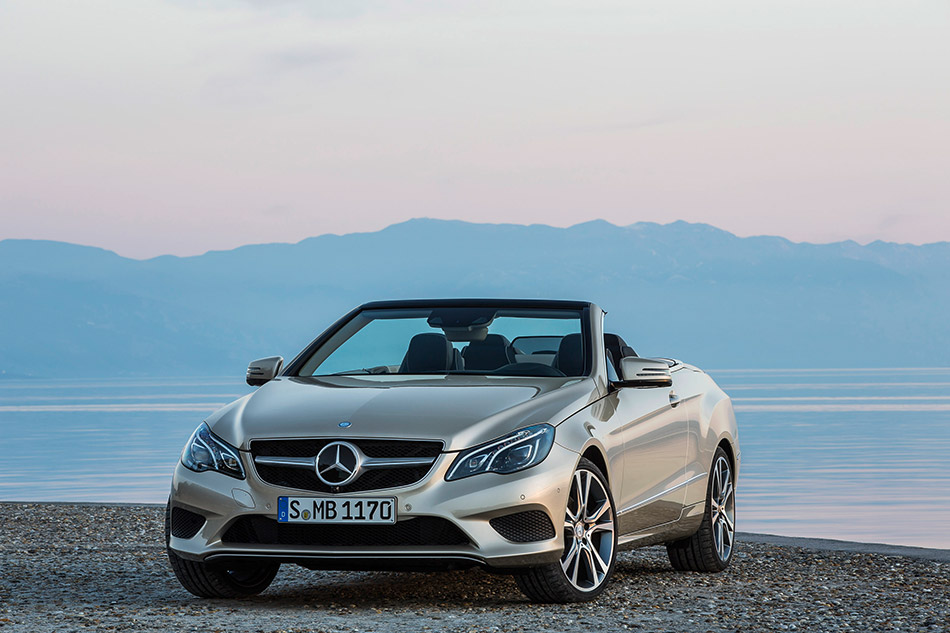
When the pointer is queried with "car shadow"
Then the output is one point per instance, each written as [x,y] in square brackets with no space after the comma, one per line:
[382,590]
[390,589]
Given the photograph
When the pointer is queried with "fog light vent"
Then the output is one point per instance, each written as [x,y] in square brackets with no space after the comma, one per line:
[185,524]
[524,527]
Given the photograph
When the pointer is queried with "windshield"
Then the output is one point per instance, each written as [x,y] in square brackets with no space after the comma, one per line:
[455,340]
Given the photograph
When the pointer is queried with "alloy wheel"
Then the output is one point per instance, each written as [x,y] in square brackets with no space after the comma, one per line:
[723,507]
[588,532]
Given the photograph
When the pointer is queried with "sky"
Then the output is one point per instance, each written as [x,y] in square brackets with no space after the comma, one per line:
[161,126]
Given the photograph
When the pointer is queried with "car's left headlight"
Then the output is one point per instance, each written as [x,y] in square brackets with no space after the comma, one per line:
[205,451]
[519,450]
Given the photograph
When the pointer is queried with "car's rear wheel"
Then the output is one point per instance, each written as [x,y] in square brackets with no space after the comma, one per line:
[590,544]
[208,580]
[712,547]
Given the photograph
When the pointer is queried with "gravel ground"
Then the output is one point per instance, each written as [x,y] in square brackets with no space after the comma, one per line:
[88,567]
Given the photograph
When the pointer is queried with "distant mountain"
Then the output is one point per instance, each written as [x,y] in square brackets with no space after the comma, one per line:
[690,291]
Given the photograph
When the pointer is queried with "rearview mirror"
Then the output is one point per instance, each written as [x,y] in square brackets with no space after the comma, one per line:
[644,372]
[264,370]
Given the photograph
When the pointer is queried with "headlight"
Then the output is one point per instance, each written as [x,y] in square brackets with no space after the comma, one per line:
[204,452]
[522,449]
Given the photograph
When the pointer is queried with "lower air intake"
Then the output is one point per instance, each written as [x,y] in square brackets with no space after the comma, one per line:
[422,531]
[524,527]
[185,523]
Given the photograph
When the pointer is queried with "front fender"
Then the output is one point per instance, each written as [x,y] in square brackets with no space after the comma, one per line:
[594,427]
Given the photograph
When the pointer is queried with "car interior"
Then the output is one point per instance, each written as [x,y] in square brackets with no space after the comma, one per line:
[527,355]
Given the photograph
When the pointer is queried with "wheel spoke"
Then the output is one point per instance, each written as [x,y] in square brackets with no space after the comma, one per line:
[730,524]
[727,534]
[577,566]
[581,496]
[589,565]
[570,556]
[587,480]
[599,562]
[606,526]
[599,513]
[571,517]
[724,499]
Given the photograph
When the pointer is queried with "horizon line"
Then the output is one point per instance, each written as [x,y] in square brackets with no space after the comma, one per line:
[498,224]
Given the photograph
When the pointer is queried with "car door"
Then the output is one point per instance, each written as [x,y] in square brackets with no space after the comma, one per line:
[655,427]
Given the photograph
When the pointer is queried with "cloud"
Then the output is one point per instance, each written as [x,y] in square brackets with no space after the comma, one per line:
[313,9]
[258,79]
[304,59]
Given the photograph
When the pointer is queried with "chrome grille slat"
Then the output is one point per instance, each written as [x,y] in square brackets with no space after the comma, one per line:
[290,462]
[367,463]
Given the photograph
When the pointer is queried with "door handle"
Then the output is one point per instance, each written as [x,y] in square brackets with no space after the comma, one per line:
[674,399]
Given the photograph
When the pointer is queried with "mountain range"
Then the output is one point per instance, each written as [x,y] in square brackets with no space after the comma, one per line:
[683,290]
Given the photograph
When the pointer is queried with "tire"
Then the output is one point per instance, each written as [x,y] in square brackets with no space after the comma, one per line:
[712,547]
[207,580]
[590,544]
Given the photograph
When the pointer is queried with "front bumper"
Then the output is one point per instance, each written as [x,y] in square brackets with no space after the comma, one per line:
[469,504]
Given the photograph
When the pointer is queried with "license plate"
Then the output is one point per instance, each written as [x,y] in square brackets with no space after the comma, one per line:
[335,510]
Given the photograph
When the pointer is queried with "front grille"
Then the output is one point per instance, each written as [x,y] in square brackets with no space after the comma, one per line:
[419,531]
[524,527]
[377,479]
[185,523]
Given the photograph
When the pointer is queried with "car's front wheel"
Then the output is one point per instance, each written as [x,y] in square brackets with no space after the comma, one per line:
[207,580]
[590,544]
[711,548]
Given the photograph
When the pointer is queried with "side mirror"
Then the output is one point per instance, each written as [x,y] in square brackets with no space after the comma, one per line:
[264,370]
[644,372]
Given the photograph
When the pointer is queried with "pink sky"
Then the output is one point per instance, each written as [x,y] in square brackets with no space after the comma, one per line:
[161,127]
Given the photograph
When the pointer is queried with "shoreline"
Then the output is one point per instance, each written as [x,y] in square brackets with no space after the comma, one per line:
[857,547]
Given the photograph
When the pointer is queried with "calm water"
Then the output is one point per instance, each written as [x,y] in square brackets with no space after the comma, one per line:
[849,454]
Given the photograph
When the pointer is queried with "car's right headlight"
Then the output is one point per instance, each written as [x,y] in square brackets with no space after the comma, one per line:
[522,449]
[205,451]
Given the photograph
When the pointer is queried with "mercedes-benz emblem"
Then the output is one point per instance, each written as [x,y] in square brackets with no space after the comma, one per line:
[338,463]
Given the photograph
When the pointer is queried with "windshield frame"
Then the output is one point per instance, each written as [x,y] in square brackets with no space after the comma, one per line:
[293,369]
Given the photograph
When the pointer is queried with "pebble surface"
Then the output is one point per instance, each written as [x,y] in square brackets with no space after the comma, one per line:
[103,568]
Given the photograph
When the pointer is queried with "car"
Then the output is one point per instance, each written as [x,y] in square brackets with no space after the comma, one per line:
[515,435]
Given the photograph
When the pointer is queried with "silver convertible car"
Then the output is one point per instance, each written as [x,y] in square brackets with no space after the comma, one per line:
[516,435]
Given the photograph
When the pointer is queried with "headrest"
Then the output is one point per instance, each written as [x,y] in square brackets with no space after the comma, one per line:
[617,347]
[570,355]
[491,353]
[491,340]
[427,353]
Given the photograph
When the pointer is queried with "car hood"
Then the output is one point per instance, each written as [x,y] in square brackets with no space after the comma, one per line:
[462,411]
